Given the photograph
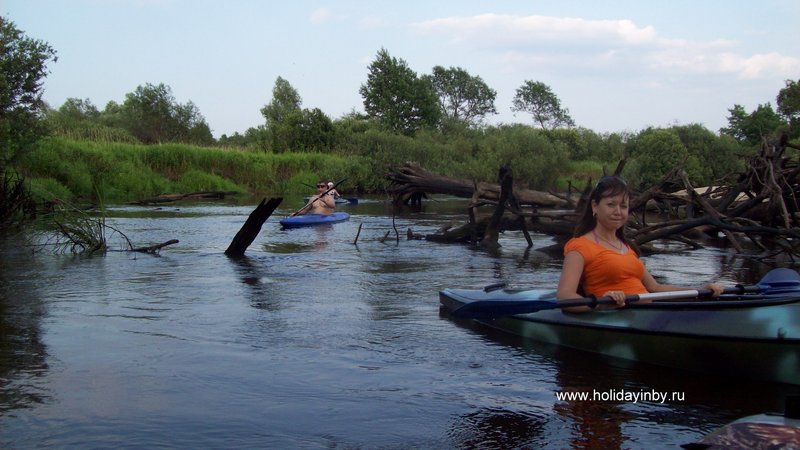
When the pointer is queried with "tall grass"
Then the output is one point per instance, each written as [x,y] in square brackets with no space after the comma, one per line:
[124,172]
[121,172]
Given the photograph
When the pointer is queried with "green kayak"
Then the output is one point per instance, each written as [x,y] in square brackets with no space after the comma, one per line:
[754,335]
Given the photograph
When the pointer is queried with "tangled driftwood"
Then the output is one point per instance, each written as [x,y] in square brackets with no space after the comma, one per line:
[760,210]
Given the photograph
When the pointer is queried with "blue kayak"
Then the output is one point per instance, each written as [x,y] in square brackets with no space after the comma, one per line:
[307,220]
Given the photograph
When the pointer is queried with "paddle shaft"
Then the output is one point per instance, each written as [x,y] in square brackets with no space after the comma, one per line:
[493,308]
[318,197]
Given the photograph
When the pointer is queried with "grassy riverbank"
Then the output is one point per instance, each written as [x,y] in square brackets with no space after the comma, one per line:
[117,172]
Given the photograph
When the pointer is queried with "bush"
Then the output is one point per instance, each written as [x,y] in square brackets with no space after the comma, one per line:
[48,190]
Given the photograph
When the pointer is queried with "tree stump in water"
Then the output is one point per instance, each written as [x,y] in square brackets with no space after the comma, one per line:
[252,227]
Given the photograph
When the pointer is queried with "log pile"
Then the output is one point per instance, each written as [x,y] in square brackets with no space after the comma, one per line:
[758,213]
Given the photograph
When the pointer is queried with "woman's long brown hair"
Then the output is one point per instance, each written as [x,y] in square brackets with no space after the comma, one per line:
[608,186]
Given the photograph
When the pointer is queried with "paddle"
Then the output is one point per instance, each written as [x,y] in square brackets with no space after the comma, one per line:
[307,205]
[775,281]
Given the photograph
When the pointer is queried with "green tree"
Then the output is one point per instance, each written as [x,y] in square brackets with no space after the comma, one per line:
[397,97]
[290,128]
[653,153]
[23,66]
[152,115]
[285,100]
[751,128]
[462,97]
[719,157]
[789,105]
[538,99]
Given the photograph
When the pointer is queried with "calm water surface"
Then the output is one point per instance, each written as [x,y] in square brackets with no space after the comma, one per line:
[314,342]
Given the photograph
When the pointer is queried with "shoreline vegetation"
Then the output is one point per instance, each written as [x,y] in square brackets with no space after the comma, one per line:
[61,168]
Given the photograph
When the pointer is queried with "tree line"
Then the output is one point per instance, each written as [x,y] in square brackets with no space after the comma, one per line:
[437,119]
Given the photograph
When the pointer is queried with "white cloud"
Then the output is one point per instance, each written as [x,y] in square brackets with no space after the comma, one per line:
[501,29]
[577,43]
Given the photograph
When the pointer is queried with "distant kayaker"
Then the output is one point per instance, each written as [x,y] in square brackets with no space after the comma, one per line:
[598,260]
[321,203]
[333,192]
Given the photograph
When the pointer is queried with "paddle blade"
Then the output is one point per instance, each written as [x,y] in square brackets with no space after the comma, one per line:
[490,308]
[780,280]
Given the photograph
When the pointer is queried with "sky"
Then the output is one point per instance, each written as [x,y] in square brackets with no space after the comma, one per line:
[616,65]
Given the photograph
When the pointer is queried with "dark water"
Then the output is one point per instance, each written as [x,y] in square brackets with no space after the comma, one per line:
[314,342]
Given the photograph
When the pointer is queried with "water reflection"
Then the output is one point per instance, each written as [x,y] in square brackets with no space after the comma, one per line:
[23,355]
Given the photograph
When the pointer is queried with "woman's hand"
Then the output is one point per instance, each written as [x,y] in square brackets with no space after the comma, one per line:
[617,296]
[717,289]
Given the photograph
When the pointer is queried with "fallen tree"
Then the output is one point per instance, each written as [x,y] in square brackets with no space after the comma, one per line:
[759,210]
[410,182]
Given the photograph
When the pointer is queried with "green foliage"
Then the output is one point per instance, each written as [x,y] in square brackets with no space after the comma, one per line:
[535,160]
[285,100]
[22,69]
[538,99]
[585,144]
[289,128]
[199,181]
[80,120]
[48,190]
[789,105]
[152,115]
[654,153]
[751,128]
[463,98]
[397,98]
[718,158]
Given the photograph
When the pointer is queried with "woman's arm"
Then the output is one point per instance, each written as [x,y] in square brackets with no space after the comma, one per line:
[652,285]
[571,274]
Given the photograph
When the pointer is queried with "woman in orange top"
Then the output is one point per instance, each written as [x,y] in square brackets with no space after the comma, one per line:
[599,259]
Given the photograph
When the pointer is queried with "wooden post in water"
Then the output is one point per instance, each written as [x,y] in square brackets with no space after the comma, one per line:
[492,232]
[251,227]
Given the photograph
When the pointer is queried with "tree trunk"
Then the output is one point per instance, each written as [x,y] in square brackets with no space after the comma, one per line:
[252,227]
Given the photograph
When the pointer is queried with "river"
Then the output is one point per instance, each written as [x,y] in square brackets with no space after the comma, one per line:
[312,341]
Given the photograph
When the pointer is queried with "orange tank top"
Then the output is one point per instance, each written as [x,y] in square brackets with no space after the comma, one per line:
[605,270]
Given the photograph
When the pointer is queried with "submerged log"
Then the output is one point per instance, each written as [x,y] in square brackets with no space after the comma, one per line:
[204,195]
[252,226]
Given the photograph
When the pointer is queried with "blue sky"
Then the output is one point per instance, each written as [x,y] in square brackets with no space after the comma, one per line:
[616,65]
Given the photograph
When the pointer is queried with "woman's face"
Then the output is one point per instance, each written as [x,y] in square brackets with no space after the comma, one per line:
[611,211]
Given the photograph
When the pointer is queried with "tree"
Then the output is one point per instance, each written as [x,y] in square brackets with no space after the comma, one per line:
[152,115]
[462,97]
[751,128]
[397,98]
[789,105]
[23,66]
[285,100]
[653,153]
[719,157]
[288,127]
[538,99]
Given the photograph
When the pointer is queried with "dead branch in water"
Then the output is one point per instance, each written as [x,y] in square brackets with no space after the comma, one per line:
[759,210]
